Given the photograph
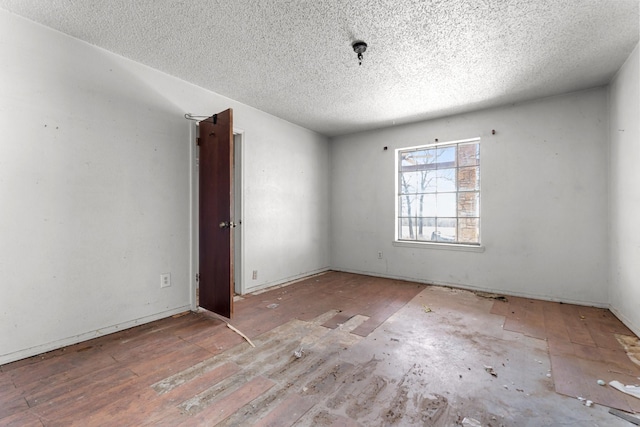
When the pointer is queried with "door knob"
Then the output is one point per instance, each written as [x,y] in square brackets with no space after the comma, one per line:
[227,224]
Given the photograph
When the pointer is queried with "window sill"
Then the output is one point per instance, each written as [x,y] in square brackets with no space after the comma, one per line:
[441,246]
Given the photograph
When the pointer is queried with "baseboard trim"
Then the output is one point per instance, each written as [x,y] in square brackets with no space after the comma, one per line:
[285,282]
[55,345]
[478,288]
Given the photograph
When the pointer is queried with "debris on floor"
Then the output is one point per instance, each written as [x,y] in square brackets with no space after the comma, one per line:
[241,334]
[490,370]
[585,401]
[631,390]
[274,305]
[601,382]
[298,353]
[625,416]
[631,346]
[426,309]
[471,422]
[489,295]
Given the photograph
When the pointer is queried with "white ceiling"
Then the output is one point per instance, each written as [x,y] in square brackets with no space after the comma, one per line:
[426,58]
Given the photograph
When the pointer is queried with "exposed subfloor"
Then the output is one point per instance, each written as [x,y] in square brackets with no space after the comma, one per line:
[333,350]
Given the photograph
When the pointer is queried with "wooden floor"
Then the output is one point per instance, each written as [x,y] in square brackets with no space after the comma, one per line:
[110,380]
[582,347]
[335,349]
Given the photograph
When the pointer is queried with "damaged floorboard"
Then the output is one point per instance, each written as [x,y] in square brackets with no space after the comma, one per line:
[333,350]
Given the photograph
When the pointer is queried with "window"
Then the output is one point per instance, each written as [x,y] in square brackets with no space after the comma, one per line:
[439,193]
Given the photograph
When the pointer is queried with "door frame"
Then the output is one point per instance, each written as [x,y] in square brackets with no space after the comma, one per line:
[238,210]
[194,225]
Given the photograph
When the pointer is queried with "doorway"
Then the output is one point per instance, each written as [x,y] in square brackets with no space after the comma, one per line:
[238,241]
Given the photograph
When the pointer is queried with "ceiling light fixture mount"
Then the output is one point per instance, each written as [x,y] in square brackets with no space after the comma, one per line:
[359,47]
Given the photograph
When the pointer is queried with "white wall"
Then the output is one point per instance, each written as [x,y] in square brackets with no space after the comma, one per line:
[544,210]
[625,193]
[94,191]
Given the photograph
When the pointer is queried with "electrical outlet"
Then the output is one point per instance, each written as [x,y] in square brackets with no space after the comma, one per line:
[165,280]
[379,255]
[255,274]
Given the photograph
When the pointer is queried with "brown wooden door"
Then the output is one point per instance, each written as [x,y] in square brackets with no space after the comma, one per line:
[216,213]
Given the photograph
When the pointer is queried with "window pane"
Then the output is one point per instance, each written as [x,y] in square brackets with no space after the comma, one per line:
[409,182]
[428,181]
[446,157]
[446,204]
[406,228]
[421,157]
[469,230]
[407,159]
[427,232]
[430,157]
[424,228]
[468,204]
[408,205]
[469,178]
[446,230]
[468,154]
[446,180]
[427,205]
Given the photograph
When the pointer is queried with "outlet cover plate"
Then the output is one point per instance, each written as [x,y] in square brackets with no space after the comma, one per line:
[165,280]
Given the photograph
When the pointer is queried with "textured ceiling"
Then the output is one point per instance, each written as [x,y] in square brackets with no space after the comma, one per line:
[426,58]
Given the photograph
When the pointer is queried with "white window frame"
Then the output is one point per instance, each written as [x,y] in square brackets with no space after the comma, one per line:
[472,247]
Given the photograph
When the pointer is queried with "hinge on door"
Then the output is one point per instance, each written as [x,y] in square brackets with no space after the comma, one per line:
[197,277]
[197,141]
